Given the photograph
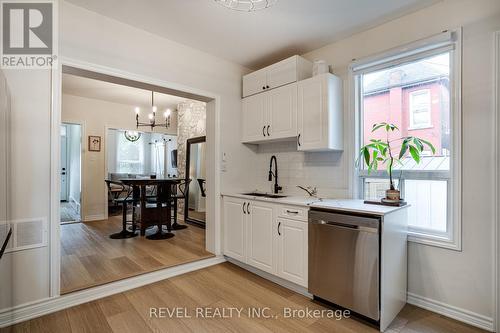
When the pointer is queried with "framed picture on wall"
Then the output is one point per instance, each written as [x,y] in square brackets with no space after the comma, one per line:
[94,143]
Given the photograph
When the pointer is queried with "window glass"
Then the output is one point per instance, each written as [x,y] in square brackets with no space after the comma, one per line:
[130,155]
[414,96]
[428,209]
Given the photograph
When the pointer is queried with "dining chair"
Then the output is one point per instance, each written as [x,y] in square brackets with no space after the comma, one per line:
[179,192]
[124,201]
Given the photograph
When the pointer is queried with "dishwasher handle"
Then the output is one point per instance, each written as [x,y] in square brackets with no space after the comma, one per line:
[340,225]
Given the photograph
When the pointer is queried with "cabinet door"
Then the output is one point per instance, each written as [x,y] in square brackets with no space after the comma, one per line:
[312,114]
[281,73]
[292,251]
[234,228]
[254,83]
[283,112]
[260,237]
[254,118]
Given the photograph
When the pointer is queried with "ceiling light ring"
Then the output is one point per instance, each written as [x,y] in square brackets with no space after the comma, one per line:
[246,5]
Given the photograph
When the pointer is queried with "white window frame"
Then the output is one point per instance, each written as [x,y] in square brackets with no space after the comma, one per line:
[445,41]
[418,108]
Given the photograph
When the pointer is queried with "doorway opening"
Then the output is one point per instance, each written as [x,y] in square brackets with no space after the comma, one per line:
[137,181]
[71,173]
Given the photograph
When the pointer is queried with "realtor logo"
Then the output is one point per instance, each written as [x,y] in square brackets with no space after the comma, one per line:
[27,34]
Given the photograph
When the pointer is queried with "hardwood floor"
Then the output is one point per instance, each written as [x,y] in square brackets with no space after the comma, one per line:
[221,286]
[89,257]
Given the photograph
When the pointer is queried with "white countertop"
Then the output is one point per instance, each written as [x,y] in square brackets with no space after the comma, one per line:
[346,205]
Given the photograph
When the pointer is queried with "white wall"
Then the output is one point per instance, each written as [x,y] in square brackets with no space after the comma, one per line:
[30,182]
[461,279]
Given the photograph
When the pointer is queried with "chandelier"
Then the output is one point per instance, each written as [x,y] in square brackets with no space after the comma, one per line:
[246,5]
[152,116]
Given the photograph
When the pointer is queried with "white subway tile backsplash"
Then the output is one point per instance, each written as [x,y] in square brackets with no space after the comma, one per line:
[324,170]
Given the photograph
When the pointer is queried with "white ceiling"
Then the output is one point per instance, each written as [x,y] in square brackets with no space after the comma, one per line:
[258,38]
[110,92]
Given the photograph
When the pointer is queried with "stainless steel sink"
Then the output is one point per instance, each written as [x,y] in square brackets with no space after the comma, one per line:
[265,195]
[275,196]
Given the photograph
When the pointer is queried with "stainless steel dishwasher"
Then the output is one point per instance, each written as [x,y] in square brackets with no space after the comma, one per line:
[344,255]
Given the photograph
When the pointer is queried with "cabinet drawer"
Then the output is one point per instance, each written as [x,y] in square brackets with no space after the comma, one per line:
[292,212]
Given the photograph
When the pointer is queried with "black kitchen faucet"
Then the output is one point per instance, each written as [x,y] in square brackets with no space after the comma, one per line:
[277,188]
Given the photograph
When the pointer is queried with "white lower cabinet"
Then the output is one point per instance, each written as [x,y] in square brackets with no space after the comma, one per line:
[292,251]
[261,247]
[255,235]
[234,228]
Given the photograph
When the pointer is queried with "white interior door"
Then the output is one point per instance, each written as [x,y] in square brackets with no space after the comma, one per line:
[64,163]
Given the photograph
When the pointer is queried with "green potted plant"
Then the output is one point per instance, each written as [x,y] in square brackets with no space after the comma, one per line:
[381,152]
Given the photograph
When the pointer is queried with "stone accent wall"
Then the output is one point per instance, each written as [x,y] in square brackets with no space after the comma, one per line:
[191,123]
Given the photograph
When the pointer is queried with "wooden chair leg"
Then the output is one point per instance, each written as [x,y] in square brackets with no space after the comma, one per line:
[175,211]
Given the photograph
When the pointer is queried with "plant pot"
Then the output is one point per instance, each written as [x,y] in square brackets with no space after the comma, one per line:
[392,195]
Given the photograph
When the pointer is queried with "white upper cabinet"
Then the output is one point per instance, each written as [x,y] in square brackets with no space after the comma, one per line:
[287,71]
[282,112]
[320,113]
[254,120]
[254,83]
[270,116]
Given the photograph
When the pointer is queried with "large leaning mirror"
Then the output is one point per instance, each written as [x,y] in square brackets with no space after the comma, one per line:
[194,209]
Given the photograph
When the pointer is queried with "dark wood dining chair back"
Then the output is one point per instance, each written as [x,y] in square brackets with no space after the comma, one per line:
[202,182]
[180,190]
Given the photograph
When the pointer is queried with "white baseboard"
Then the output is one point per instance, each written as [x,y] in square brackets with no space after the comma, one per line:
[466,316]
[97,217]
[282,282]
[32,310]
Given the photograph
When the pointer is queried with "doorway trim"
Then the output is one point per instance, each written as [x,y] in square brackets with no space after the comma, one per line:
[496,154]
[213,100]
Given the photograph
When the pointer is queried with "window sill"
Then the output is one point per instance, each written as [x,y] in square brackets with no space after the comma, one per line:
[436,241]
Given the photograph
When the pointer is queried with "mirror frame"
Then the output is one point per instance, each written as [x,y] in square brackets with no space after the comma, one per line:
[189,142]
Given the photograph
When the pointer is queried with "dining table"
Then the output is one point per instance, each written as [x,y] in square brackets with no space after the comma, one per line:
[162,200]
